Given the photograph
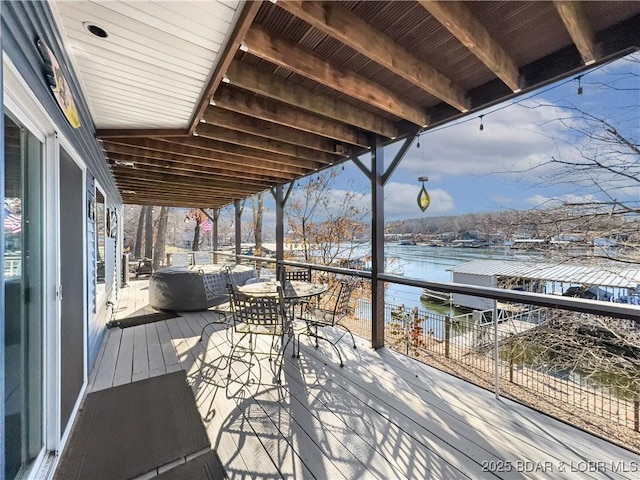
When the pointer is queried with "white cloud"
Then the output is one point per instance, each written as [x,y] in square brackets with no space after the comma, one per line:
[541,201]
[513,141]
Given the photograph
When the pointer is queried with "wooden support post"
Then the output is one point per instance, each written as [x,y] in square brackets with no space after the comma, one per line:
[238,226]
[215,242]
[377,244]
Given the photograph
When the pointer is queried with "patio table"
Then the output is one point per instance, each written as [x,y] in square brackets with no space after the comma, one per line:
[293,289]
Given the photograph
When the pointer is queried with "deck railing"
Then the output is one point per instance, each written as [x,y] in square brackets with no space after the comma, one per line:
[468,346]
[464,345]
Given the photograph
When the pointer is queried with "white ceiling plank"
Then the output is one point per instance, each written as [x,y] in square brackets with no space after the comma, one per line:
[211,17]
[138,36]
[141,53]
[147,13]
[130,79]
[152,69]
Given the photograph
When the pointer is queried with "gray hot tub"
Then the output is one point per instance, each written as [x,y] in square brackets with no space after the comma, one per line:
[196,287]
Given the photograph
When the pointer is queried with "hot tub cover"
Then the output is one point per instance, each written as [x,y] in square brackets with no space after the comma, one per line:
[197,287]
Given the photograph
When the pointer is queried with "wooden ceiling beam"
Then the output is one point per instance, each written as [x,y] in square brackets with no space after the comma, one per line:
[144,186]
[240,101]
[188,168]
[215,132]
[262,128]
[290,55]
[182,186]
[342,24]
[460,21]
[125,174]
[177,201]
[192,195]
[145,157]
[171,196]
[249,152]
[178,183]
[236,161]
[574,17]
[246,17]
[143,132]
[272,86]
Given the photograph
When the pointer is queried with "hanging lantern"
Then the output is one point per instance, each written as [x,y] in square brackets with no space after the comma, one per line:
[423,196]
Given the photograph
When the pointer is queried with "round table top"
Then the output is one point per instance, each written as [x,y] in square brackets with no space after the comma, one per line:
[292,289]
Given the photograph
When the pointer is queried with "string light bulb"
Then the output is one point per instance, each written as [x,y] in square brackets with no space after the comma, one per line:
[481,124]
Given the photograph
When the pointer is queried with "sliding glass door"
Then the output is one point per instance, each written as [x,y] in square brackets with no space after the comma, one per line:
[23,298]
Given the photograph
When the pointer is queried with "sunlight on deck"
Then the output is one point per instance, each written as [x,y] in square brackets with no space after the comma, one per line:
[382,416]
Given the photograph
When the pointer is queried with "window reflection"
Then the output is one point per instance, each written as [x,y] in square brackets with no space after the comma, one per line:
[100,241]
[23,340]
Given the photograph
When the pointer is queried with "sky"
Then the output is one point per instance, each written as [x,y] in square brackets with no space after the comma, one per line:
[502,166]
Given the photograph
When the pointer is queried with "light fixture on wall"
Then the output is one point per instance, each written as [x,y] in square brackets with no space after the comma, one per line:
[481,124]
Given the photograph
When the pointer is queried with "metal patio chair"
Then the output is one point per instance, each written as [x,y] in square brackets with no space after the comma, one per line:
[329,312]
[298,273]
[224,316]
[253,316]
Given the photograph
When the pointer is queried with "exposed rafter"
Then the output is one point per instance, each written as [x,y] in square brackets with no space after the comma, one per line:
[459,20]
[249,12]
[272,86]
[266,129]
[340,23]
[138,146]
[267,144]
[574,16]
[188,164]
[136,133]
[287,54]
[248,104]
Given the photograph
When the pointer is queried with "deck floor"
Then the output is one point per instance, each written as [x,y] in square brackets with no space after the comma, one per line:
[382,416]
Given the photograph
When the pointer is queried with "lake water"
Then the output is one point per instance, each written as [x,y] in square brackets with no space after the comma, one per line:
[431,263]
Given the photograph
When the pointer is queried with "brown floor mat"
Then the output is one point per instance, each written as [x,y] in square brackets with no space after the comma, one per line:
[125,431]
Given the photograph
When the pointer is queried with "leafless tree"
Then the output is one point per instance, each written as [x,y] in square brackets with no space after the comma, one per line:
[326,222]
[161,238]
[148,232]
[598,154]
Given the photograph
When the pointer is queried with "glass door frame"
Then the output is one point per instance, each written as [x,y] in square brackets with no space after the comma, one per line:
[21,103]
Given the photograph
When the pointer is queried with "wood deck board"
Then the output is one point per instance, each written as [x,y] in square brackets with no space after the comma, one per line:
[541,430]
[268,423]
[382,416]
[471,414]
[140,368]
[107,366]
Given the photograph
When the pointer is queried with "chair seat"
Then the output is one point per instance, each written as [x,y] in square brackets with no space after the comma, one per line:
[315,318]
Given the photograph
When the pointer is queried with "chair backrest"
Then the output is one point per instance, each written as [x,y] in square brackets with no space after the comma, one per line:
[180,259]
[303,274]
[267,313]
[341,307]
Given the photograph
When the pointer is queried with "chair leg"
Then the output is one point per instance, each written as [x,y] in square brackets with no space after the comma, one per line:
[222,319]
[353,341]
[278,376]
[317,336]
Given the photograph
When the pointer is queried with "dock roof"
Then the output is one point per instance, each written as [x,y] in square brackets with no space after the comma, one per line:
[611,275]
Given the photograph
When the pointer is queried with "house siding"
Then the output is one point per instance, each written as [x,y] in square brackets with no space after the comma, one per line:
[22,23]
